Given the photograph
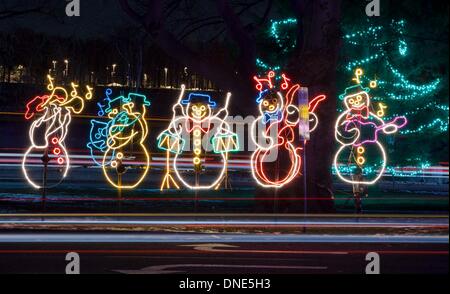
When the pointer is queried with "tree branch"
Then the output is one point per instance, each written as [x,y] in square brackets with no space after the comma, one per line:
[182,37]
[199,23]
[154,24]
[10,13]
[266,13]
[212,22]
[299,7]
[154,16]
[128,10]
[245,42]
[234,24]
[171,8]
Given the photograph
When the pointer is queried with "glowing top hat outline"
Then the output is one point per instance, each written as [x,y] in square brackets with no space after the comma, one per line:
[211,102]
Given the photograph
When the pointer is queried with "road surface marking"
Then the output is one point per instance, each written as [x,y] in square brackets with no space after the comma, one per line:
[210,247]
[166,269]
[214,248]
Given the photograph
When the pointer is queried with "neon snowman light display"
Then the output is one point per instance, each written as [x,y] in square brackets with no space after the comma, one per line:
[194,115]
[357,130]
[281,116]
[127,126]
[55,110]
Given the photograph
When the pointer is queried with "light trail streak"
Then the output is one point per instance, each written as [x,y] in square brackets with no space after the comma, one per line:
[219,238]
[242,164]
[445,217]
[230,224]
[230,198]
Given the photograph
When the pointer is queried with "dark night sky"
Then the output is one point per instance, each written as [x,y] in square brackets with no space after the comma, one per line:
[98,18]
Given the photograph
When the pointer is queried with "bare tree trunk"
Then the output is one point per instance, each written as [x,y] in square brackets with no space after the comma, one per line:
[320,55]
[235,77]
[140,64]
[314,66]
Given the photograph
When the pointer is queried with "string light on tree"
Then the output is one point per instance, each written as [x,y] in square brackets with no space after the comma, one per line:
[409,79]
[282,38]
[371,37]
[373,170]
[282,33]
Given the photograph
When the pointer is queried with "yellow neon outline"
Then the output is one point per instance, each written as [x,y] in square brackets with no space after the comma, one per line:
[358,74]
[381,109]
[117,141]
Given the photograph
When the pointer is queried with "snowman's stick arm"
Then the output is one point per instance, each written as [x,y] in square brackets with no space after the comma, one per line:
[172,128]
[178,104]
[223,112]
[180,97]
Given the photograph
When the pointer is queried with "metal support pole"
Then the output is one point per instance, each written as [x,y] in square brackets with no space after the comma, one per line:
[196,191]
[119,192]
[45,160]
[305,182]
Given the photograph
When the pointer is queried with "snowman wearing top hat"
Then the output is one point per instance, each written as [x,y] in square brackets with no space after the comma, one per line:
[196,122]
[358,131]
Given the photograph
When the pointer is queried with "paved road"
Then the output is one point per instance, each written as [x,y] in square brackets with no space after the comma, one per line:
[225,254]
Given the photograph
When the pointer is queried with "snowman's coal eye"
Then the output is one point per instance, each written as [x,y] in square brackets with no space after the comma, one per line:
[265,103]
[351,101]
[194,107]
[274,101]
[203,108]
[359,98]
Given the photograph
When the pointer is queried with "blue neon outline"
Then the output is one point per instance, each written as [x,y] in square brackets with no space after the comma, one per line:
[98,139]
[272,116]
[211,102]
[260,96]
[101,106]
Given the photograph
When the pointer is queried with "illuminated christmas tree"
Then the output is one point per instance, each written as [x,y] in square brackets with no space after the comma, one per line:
[279,44]
[408,79]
